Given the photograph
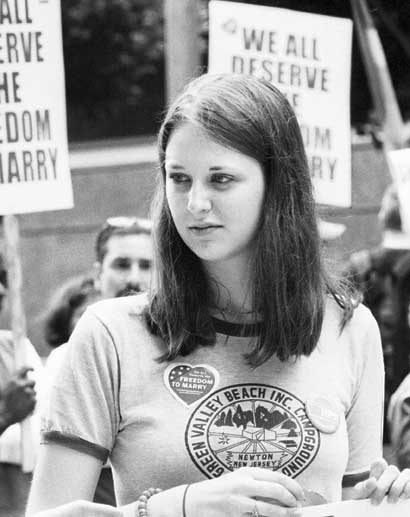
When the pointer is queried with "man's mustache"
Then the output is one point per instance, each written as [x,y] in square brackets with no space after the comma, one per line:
[128,290]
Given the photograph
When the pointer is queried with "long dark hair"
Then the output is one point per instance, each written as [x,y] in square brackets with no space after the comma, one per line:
[290,284]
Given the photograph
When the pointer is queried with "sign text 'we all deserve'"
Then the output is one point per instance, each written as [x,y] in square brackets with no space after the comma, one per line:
[296,52]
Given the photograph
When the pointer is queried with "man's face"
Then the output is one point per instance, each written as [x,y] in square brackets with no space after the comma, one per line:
[127,265]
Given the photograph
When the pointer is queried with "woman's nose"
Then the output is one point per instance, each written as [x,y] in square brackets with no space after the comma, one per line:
[199,200]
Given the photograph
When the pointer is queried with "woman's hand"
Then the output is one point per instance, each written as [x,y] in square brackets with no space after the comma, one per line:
[249,492]
[384,480]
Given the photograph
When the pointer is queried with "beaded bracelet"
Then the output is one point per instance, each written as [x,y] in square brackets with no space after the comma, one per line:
[143,499]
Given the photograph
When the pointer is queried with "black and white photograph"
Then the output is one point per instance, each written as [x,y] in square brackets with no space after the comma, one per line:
[204,258]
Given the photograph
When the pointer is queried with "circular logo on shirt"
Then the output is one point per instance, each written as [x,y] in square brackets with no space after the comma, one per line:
[323,414]
[251,425]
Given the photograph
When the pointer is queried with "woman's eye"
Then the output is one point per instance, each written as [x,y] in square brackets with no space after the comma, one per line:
[179,178]
[221,179]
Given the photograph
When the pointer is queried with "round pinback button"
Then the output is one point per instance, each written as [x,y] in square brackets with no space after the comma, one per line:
[323,414]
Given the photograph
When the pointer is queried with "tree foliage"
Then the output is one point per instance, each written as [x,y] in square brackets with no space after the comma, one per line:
[115,67]
[113,52]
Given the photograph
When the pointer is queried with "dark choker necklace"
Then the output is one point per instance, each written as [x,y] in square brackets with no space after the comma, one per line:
[232,312]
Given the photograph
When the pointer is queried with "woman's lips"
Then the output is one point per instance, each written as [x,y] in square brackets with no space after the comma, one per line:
[204,230]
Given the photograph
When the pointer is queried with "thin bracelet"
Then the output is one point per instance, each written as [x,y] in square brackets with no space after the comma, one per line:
[143,499]
[184,501]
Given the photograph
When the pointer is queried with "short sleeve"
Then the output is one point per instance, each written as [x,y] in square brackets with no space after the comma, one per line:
[82,410]
[365,416]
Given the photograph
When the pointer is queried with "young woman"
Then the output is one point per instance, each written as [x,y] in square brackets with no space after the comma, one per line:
[248,381]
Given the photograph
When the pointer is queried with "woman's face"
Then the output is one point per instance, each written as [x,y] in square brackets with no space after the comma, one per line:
[215,195]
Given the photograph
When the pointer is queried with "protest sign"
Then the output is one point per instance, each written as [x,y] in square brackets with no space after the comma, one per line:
[399,161]
[362,508]
[307,56]
[34,166]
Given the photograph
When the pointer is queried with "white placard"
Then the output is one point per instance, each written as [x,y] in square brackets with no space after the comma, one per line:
[400,167]
[359,509]
[34,167]
[307,56]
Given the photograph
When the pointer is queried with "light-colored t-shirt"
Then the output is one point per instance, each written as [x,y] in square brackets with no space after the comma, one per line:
[54,362]
[317,419]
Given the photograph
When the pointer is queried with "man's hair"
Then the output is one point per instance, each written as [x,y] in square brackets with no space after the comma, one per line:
[289,281]
[119,226]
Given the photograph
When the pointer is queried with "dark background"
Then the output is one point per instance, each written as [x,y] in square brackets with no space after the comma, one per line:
[114,61]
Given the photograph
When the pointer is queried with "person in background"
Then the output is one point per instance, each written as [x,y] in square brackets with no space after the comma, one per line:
[247,382]
[398,415]
[123,265]
[66,308]
[124,256]
[398,419]
[381,274]
[17,401]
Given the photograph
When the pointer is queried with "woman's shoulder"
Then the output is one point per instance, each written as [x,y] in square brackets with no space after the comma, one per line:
[361,315]
[114,317]
[123,307]
[112,326]
[358,333]
[354,344]
[362,318]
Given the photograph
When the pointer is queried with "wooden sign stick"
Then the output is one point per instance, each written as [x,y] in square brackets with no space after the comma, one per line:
[18,324]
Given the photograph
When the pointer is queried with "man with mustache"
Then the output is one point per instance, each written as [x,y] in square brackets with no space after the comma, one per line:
[124,256]
[123,266]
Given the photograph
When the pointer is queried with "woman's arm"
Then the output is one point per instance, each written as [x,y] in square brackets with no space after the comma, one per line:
[64,484]
[62,475]
[65,480]
[80,508]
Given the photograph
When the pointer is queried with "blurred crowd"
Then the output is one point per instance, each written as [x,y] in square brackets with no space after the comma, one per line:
[123,265]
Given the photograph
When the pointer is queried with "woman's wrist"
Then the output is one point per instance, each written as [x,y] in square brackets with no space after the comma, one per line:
[129,510]
[143,501]
[167,503]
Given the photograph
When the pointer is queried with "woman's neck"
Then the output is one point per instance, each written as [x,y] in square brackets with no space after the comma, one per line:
[230,285]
